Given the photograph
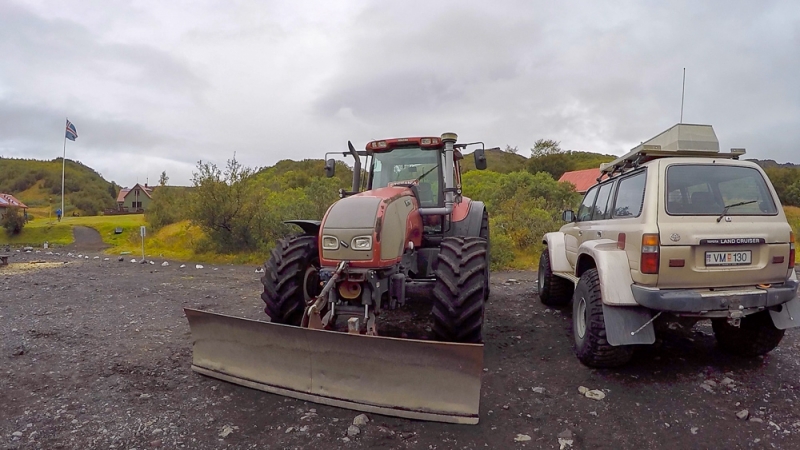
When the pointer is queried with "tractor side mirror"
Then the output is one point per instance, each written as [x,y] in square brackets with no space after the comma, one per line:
[568,216]
[330,167]
[480,159]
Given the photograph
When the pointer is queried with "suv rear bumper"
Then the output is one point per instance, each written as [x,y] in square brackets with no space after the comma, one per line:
[695,301]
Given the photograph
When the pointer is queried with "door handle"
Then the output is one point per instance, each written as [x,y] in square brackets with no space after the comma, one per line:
[580,233]
[599,233]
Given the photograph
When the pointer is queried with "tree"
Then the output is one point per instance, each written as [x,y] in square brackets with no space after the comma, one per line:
[163,179]
[510,149]
[555,164]
[545,147]
[13,221]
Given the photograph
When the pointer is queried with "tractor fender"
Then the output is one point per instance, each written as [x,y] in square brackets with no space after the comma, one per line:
[310,227]
[469,224]
[557,250]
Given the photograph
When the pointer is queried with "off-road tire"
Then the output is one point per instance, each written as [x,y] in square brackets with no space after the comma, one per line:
[553,290]
[592,349]
[458,294]
[290,278]
[484,233]
[756,335]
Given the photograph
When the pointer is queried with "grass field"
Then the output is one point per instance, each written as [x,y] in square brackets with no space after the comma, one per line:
[179,241]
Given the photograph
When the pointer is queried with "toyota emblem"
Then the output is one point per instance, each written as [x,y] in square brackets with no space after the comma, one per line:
[675,237]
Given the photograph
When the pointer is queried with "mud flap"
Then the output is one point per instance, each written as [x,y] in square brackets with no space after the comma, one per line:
[408,378]
[788,316]
[622,323]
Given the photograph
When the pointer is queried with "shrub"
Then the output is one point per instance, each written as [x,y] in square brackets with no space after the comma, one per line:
[13,221]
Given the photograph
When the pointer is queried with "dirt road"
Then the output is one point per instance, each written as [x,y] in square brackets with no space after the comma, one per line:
[96,354]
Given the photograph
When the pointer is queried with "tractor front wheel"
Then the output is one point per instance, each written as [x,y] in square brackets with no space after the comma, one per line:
[291,279]
[459,293]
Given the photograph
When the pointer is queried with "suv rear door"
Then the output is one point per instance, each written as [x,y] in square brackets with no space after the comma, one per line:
[702,244]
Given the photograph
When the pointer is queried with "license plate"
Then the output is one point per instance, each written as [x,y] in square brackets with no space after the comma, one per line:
[740,258]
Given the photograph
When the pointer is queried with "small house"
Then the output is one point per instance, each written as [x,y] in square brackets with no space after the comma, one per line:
[8,201]
[135,199]
[581,179]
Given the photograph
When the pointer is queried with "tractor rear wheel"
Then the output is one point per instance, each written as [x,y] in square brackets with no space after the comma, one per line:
[459,292]
[291,279]
[484,233]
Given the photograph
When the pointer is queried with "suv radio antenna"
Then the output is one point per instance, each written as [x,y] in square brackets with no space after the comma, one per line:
[683,90]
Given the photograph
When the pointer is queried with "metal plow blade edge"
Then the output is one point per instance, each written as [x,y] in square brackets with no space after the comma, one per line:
[415,379]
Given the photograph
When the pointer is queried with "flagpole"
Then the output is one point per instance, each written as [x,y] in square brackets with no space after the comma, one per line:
[63,164]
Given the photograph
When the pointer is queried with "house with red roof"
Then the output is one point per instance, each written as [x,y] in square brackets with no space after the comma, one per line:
[8,201]
[135,199]
[581,179]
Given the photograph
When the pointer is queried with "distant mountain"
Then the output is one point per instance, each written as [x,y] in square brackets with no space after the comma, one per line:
[38,185]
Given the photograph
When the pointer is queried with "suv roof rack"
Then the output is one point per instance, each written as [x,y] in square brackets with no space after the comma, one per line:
[682,139]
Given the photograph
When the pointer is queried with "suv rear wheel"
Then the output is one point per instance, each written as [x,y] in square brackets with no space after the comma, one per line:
[756,335]
[589,326]
[553,290]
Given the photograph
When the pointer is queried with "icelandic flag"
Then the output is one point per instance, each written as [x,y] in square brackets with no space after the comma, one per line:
[72,133]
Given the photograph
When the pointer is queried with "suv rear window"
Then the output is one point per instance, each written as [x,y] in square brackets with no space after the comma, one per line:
[706,189]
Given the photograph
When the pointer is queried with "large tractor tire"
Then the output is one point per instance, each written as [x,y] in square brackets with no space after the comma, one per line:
[459,292]
[553,290]
[755,336]
[291,279]
[484,233]
[589,326]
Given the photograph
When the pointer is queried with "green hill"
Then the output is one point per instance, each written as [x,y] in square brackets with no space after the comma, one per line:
[38,185]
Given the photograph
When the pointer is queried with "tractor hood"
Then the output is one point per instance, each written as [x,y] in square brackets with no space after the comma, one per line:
[385,215]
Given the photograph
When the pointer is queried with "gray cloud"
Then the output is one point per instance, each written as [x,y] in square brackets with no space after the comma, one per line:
[158,85]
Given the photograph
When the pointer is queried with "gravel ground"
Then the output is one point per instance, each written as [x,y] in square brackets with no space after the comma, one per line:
[96,354]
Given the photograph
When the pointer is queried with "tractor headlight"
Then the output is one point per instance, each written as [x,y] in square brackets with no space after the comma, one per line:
[330,243]
[362,243]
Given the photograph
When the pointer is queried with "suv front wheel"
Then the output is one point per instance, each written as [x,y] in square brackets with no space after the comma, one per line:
[589,326]
[553,290]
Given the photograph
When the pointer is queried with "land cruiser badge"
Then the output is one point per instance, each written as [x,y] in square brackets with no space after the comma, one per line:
[675,237]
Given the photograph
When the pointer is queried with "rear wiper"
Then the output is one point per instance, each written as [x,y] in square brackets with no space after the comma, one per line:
[727,207]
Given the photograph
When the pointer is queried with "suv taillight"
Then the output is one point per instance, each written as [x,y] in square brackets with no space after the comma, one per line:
[791,250]
[650,255]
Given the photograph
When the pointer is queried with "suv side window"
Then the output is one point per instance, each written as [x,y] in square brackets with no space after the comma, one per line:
[585,210]
[630,196]
[601,205]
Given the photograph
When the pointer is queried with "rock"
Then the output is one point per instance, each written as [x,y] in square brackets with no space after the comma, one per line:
[538,390]
[756,420]
[743,414]
[711,383]
[198,266]
[144,396]
[17,434]
[133,260]
[566,434]
[361,420]
[156,443]
[726,381]
[353,431]
[303,429]
[345,439]
[164,264]
[157,431]
[505,406]
[120,259]
[96,257]
[522,438]
[182,266]
[512,280]
[152,262]
[289,430]
[106,259]
[707,387]
[565,439]
[583,390]
[260,270]
[694,430]
[595,394]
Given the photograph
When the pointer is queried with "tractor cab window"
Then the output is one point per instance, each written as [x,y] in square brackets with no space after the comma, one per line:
[409,166]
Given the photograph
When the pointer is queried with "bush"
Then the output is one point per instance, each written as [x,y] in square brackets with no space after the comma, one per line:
[13,221]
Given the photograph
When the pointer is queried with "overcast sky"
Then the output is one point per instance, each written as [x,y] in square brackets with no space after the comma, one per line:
[159,85]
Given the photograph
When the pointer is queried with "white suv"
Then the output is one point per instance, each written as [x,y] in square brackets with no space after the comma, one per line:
[674,229]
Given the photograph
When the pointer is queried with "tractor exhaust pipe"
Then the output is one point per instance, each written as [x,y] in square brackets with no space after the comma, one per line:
[449,139]
[356,168]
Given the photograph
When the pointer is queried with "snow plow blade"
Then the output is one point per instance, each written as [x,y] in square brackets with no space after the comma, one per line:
[415,379]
